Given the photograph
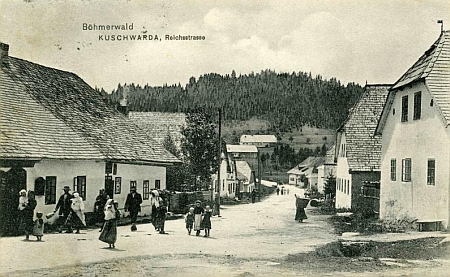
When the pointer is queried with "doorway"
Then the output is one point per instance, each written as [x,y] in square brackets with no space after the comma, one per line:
[11,182]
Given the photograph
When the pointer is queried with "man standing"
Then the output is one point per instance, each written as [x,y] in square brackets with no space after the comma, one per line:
[133,204]
[64,206]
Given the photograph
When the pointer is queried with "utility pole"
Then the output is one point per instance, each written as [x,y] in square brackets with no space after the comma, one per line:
[220,164]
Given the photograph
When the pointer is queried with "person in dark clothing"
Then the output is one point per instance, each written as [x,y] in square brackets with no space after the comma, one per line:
[64,205]
[29,214]
[253,196]
[161,214]
[133,205]
[278,190]
[100,202]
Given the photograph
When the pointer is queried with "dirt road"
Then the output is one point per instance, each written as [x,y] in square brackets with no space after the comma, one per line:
[248,240]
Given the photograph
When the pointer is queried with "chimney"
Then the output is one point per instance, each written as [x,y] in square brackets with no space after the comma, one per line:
[4,49]
[123,104]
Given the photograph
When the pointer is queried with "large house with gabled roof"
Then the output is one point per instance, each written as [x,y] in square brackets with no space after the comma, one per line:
[358,150]
[414,124]
[56,131]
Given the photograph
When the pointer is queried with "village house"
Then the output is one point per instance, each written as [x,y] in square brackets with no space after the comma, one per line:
[258,140]
[246,180]
[327,169]
[358,151]
[305,174]
[248,153]
[57,131]
[415,160]
[228,178]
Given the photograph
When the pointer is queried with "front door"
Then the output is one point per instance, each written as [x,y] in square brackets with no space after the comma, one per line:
[109,186]
[11,183]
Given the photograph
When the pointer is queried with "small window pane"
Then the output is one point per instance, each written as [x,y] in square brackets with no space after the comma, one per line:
[431,172]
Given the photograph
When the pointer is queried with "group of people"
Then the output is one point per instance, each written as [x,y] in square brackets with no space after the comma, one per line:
[199,218]
[282,190]
[70,214]
[71,211]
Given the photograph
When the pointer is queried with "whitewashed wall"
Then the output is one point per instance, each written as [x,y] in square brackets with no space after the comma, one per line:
[419,140]
[94,171]
[343,199]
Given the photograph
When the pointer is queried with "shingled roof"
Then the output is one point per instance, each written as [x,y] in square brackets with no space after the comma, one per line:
[433,67]
[54,114]
[307,166]
[158,125]
[363,148]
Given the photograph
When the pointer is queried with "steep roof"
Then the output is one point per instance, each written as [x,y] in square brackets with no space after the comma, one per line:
[258,138]
[232,148]
[363,148]
[49,113]
[158,124]
[244,172]
[433,67]
[307,165]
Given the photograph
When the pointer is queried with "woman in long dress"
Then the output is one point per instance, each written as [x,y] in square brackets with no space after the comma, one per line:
[109,231]
[77,209]
[198,214]
[28,213]
[300,204]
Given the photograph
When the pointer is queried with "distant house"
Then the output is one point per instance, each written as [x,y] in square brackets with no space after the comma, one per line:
[415,158]
[245,178]
[248,153]
[327,169]
[56,131]
[305,174]
[259,140]
[358,150]
[228,178]
[159,125]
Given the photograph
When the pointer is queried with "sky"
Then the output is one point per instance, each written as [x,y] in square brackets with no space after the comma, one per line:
[373,41]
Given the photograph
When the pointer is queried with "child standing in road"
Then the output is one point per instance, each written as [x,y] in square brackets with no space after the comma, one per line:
[206,222]
[189,219]
[38,227]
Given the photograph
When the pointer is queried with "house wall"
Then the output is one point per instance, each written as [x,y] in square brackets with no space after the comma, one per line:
[343,178]
[228,182]
[419,140]
[320,178]
[312,181]
[94,171]
[357,181]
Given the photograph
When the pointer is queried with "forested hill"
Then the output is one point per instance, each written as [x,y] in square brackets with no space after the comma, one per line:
[285,100]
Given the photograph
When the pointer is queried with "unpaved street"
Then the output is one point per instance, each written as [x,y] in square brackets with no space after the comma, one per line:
[248,240]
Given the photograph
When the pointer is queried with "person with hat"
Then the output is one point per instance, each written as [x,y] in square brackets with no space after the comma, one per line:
[133,205]
[64,205]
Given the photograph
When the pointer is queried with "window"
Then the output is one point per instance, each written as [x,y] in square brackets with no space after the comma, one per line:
[431,172]
[79,185]
[118,185]
[157,184]
[146,190]
[114,170]
[39,186]
[108,167]
[417,105]
[133,185]
[393,169]
[405,108]
[406,170]
[50,190]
